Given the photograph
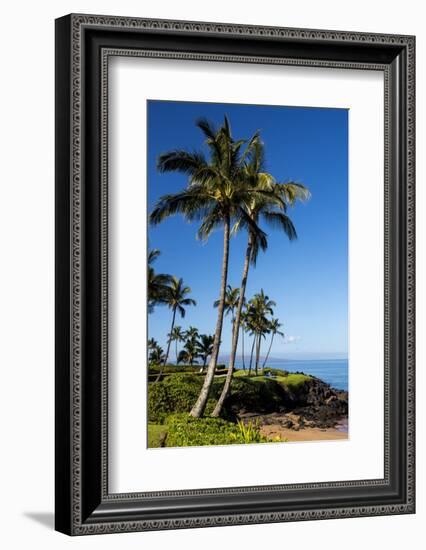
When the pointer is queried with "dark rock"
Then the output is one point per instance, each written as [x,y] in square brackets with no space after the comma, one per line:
[313,403]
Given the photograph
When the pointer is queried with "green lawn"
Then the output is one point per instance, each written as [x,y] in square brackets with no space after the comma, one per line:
[292,380]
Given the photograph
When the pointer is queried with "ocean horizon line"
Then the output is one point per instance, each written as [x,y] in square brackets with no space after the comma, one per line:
[287,358]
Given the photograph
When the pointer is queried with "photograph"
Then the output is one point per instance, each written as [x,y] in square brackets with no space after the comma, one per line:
[234,273]
[247,274]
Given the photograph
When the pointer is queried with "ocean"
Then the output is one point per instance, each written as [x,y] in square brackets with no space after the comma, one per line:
[332,371]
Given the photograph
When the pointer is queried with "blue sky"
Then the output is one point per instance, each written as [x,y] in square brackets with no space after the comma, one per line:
[308,278]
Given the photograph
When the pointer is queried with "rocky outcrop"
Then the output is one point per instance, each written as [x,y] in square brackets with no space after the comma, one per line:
[312,404]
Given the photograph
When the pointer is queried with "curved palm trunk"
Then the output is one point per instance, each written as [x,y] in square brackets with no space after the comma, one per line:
[198,409]
[269,351]
[176,350]
[160,374]
[204,364]
[235,332]
[257,354]
[242,348]
[251,355]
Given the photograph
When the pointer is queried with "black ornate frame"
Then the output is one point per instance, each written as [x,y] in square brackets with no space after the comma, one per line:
[83,46]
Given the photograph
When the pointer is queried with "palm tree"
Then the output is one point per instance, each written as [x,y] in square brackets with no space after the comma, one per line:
[191,333]
[215,195]
[177,335]
[231,302]
[260,306]
[156,356]
[189,353]
[152,343]
[205,348]
[176,299]
[243,327]
[270,205]
[255,323]
[253,334]
[274,325]
[158,283]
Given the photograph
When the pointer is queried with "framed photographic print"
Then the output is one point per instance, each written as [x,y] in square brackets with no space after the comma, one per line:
[234,274]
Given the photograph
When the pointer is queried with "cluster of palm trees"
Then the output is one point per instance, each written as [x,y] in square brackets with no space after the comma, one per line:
[229,189]
[196,347]
[257,323]
[253,321]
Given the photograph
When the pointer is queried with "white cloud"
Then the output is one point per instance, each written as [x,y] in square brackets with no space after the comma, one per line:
[291,339]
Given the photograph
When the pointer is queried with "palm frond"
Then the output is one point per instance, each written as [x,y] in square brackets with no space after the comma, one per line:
[293,191]
[180,161]
[191,203]
[211,221]
[281,221]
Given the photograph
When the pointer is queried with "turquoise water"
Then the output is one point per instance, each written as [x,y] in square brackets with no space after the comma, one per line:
[332,371]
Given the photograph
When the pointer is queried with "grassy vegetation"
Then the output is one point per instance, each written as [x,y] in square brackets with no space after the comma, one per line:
[182,430]
[172,368]
[290,380]
[176,394]
[170,400]
[156,434]
[293,381]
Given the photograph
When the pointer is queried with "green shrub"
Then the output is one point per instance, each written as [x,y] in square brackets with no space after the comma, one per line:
[157,435]
[251,394]
[171,368]
[186,431]
[177,394]
[158,402]
[295,381]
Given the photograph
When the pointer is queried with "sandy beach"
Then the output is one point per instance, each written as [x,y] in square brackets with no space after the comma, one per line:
[304,434]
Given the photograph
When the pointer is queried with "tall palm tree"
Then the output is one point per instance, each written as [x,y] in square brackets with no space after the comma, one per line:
[269,205]
[189,353]
[191,333]
[157,355]
[260,306]
[176,299]
[215,195]
[231,302]
[253,334]
[244,329]
[273,329]
[152,343]
[177,335]
[256,323]
[158,283]
[205,348]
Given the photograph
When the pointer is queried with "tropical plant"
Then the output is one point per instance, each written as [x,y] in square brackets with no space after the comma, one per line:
[158,283]
[260,306]
[231,302]
[251,330]
[152,343]
[216,195]
[184,431]
[177,335]
[273,328]
[176,298]
[269,204]
[189,353]
[243,329]
[156,356]
[191,333]
[205,348]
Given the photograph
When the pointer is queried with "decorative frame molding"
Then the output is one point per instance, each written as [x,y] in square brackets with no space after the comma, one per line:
[84,44]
